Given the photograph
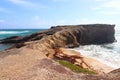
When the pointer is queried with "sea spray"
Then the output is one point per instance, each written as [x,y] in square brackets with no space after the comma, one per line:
[5,33]
[105,53]
[13,32]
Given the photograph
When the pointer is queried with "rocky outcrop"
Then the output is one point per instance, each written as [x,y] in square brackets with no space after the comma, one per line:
[115,74]
[30,64]
[70,35]
[81,61]
[33,57]
[13,39]
[32,37]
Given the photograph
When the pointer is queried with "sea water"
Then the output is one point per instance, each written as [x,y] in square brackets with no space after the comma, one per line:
[4,33]
[105,53]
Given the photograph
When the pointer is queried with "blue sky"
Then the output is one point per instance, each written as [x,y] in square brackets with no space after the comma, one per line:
[47,13]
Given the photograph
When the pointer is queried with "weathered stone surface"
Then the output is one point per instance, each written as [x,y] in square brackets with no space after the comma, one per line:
[115,74]
[32,37]
[70,35]
[13,39]
[81,61]
[32,64]
[34,60]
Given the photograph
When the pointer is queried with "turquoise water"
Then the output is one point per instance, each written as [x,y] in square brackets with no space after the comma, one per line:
[105,53]
[4,33]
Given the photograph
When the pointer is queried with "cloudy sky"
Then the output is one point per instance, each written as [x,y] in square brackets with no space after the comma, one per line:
[46,13]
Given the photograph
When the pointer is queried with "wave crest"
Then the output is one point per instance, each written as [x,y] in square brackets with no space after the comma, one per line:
[13,32]
[103,53]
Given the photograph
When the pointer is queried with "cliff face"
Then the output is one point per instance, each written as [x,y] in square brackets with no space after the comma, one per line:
[70,35]
[35,59]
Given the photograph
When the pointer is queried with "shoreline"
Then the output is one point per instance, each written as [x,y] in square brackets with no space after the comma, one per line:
[27,62]
[101,59]
[96,59]
[98,64]
[93,64]
[5,46]
[33,55]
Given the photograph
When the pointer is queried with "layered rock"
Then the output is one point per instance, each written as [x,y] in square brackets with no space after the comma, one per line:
[114,75]
[81,61]
[70,35]
[35,59]
[29,64]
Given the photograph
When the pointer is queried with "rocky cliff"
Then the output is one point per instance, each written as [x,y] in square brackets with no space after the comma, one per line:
[33,57]
[69,35]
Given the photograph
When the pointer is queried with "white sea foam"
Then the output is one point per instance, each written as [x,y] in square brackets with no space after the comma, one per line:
[101,53]
[13,32]
[106,53]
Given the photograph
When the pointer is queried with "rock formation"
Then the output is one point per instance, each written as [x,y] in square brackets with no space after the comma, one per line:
[115,74]
[70,35]
[32,56]
[29,64]
[81,61]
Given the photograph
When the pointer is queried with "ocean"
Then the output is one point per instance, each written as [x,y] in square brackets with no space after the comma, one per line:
[4,33]
[108,54]
[105,53]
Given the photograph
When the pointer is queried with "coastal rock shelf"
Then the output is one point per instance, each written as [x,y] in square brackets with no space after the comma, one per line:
[69,35]
[33,57]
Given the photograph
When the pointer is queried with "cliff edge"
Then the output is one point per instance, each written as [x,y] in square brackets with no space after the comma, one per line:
[32,57]
[69,35]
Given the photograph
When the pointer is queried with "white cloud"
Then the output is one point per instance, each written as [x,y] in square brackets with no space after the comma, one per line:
[27,3]
[112,4]
[22,2]
[87,21]
[110,12]
[77,21]
[1,21]
[101,0]
[4,10]
[38,22]
[108,7]
[60,0]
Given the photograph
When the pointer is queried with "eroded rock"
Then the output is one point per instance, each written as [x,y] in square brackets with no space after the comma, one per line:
[115,74]
[34,60]
[81,61]
[70,35]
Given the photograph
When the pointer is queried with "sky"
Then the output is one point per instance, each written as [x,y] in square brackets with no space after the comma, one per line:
[29,14]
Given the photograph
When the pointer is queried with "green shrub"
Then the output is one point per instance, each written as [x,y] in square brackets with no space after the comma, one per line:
[75,68]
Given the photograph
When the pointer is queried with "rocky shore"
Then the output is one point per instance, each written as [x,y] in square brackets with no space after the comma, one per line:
[33,56]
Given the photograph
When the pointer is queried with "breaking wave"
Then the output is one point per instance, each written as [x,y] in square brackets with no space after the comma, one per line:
[13,32]
[105,53]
